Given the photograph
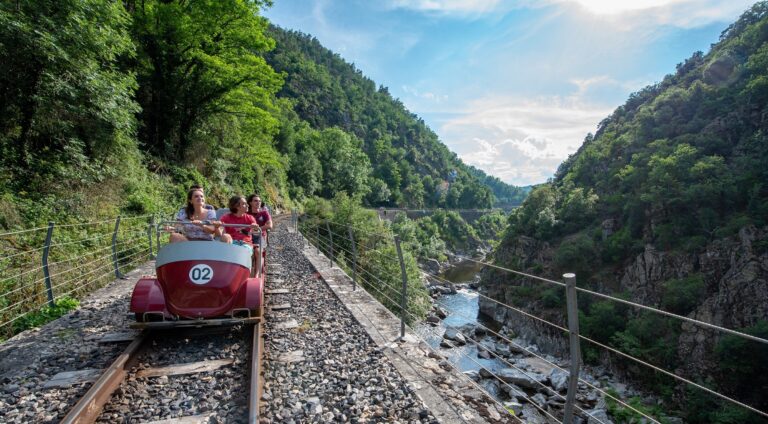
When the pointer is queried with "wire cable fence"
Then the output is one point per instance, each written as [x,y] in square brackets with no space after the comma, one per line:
[41,267]
[376,257]
[529,352]
[372,262]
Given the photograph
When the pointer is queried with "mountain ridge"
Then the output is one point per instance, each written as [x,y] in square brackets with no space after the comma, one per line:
[666,205]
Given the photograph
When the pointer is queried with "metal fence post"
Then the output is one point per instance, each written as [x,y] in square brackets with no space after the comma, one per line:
[318,238]
[114,249]
[404,294]
[149,236]
[330,237]
[46,273]
[575,347]
[354,258]
[305,238]
[157,236]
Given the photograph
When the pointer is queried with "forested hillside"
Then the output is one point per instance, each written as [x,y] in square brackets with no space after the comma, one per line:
[117,107]
[410,167]
[666,204]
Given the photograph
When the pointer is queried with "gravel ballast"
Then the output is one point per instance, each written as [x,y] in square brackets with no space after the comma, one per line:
[319,363]
[326,368]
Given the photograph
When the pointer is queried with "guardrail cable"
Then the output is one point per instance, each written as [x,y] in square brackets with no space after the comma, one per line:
[535,277]
[24,252]
[28,230]
[31,270]
[637,305]
[530,352]
[377,278]
[672,315]
[528,398]
[561,328]
[675,376]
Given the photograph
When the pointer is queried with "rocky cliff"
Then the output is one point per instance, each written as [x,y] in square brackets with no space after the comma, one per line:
[735,295]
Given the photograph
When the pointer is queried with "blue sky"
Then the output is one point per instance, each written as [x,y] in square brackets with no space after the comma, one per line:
[512,86]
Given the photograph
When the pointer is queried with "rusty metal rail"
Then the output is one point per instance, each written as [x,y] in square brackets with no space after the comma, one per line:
[255,389]
[89,407]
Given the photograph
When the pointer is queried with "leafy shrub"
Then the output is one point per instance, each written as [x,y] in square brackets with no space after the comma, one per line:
[577,254]
[553,297]
[650,337]
[490,226]
[742,363]
[620,245]
[622,414]
[684,295]
[736,223]
[46,314]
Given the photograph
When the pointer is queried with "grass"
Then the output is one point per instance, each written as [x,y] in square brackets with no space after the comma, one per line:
[45,314]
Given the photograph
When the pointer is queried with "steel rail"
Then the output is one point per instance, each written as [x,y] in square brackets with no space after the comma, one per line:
[255,388]
[89,407]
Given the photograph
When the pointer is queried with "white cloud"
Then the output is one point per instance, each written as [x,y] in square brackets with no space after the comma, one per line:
[625,13]
[629,15]
[448,6]
[427,95]
[586,83]
[521,141]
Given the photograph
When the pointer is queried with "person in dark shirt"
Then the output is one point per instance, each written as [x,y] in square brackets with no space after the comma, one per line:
[264,220]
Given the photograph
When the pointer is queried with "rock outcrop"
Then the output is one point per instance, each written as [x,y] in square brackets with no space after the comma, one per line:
[734,271]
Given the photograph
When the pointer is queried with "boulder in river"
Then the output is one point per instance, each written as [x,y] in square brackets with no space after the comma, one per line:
[486,346]
[515,393]
[530,380]
[558,379]
[432,266]
[440,312]
[514,406]
[597,416]
[491,385]
[453,334]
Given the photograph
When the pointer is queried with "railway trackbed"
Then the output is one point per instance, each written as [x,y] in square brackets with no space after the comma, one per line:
[197,375]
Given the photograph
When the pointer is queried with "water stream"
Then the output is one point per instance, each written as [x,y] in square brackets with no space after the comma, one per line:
[462,309]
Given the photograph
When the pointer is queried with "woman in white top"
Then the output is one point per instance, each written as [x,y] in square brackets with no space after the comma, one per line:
[195,213]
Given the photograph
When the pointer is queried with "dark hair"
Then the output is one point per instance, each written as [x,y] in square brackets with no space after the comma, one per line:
[189,209]
[196,186]
[233,201]
[251,197]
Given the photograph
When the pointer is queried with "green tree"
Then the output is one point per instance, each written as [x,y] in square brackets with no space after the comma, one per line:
[66,110]
[198,60]
[345,167]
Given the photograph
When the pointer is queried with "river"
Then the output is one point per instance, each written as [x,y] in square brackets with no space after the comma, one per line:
[462,308]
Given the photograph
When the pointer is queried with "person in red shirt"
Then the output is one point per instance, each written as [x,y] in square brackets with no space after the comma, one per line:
[238,214]
[238,208]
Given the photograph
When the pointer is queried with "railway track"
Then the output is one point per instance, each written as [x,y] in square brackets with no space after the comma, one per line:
[90,407]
